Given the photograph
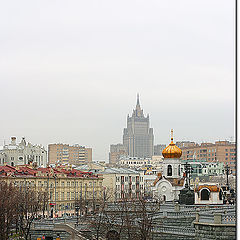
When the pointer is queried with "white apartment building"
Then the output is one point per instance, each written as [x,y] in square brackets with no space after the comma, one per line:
[23,153]
[123,183]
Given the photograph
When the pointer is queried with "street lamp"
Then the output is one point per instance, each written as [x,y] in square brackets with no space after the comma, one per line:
[227,172]
[77,209]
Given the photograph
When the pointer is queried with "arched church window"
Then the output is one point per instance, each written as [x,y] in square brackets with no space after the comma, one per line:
[164,198]
[169,170]
[205,194]
[179,170]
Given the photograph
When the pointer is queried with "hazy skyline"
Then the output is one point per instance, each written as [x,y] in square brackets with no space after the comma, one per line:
[70,70]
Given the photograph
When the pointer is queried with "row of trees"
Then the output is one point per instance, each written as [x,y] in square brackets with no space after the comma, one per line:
[132,218]
[129,217]
[18,208]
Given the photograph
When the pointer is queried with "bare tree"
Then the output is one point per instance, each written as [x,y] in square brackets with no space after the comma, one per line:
[100,219]
[28,208]
[144,217]
[135,218]
[43,198]
[8,201]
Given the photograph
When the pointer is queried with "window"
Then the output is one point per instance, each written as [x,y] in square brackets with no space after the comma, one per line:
[205,194]
[62,184]
[63,196]
[169,170]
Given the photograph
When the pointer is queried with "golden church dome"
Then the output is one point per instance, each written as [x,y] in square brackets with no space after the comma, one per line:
[172,151]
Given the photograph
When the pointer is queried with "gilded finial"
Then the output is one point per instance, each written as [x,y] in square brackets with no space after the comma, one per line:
[171,134]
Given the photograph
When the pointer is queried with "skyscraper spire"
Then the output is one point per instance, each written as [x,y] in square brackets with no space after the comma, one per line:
[138,103]
[138,112]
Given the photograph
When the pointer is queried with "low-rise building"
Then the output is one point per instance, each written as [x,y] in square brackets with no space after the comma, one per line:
[208,193]
[14,154]
[122,183]
[64,187]
[206,168]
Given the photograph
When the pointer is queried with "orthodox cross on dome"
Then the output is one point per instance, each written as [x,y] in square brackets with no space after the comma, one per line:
[171,134]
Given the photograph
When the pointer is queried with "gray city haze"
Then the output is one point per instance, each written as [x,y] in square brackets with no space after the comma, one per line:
[70,70]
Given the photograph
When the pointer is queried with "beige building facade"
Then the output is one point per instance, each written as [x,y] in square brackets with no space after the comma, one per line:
[64,188]
[116,152]
[66,154]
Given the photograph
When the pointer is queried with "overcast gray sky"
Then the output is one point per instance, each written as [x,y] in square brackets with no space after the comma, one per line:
[70,70]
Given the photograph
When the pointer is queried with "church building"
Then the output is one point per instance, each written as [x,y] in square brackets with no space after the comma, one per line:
[170,181]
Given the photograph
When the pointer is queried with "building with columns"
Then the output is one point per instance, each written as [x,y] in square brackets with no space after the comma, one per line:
[138,136]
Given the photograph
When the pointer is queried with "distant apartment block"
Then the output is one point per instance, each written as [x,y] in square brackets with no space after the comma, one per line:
[14,154]
[221,151]
[183,144]
[157,150]
[66,154]
[116,152]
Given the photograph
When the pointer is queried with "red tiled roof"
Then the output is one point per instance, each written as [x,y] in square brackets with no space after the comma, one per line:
[25,170]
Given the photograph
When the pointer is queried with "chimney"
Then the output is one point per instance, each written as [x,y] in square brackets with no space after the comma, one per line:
[13,142]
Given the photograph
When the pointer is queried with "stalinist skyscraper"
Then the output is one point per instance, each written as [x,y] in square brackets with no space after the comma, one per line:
[138,137]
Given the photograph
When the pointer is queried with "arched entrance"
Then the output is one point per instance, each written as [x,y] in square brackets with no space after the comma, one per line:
[205,194]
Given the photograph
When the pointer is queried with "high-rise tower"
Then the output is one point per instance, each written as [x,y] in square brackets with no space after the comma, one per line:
[138,137]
